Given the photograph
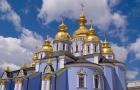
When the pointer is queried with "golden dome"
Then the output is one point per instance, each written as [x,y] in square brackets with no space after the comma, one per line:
[23,66]
[106,49]
[35,57]
[62,35]
[46,47]
[7,69]
[82,31]
[92,36]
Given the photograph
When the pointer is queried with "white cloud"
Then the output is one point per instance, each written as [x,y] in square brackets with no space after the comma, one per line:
[19,50]
[10,65]
[132,74]
[30,40]
[7,13]
[16,50]
[119,20]
[99,10]
[11,51]
[135,47]
[120,52]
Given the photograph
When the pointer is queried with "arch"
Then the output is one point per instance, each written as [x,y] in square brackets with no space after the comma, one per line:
[81,81]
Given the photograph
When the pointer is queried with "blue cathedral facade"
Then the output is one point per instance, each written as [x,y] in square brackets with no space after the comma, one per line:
[79,62]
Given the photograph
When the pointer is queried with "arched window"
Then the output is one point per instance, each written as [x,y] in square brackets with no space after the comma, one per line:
[95,48]
[63,46]
[96,81]
[57,46]
[71,49]
[88,49]
[81,79]
[76,48]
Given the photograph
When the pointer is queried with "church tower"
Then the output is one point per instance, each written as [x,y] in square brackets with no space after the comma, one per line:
[62,39]
[79,36]
[92,46]
[45,51]
[107,51]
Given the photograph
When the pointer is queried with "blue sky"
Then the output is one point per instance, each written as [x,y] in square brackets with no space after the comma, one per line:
[25,23]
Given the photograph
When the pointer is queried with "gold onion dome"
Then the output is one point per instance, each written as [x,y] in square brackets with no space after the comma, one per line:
[46,47]
[62,34]
[7,69]
[106,49]
[82,31]
[35,56]
[23,66]
[92,37]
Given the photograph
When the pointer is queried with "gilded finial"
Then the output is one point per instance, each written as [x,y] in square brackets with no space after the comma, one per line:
[62,26]
[49,61]
[62,19]
[35,56]
[91,24]
[82,19]
[23,66]
[82,8]
[81,72]
[7,69]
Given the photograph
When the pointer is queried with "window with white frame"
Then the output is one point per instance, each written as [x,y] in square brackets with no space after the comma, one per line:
[63,46]
[96,80]
[76,48]
[81,79]
[88,48]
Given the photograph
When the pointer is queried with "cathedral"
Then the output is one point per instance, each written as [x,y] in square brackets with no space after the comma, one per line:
[78,62]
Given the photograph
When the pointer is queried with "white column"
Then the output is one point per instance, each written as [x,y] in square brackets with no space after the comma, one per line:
[85,81]
[61,63]
[77,80]
[37,67]
[48,85]
[16,86]
[99,85]
[93,81]
[2,87]
[43,85]
[20,86]
[91,48]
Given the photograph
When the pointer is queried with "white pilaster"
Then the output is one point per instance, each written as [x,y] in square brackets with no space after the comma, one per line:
[16,86]
[2,87]
[2,83]
[48,85]
[61,63]
[20,86]
[43,85]
[37,67]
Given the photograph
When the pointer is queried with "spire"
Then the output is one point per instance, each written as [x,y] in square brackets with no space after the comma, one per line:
[91,30]
[62,34]
[82,18]
[62,26]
